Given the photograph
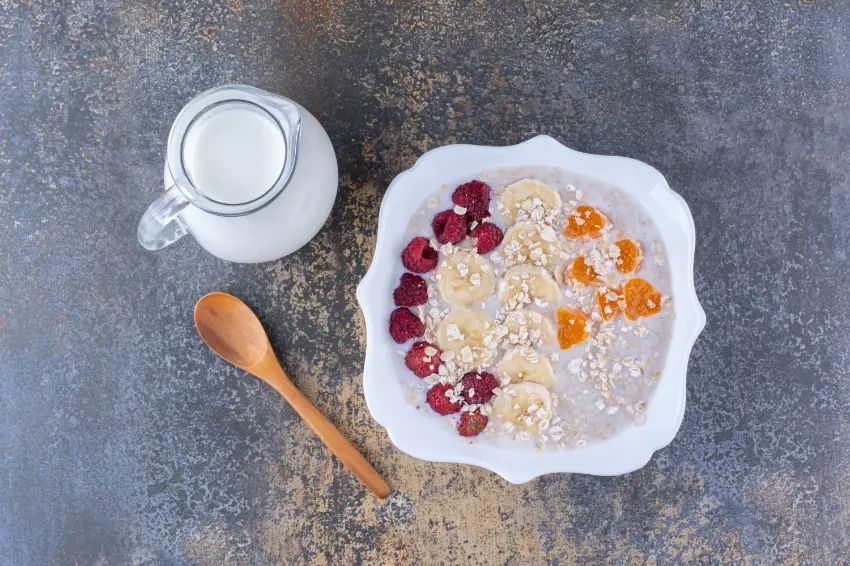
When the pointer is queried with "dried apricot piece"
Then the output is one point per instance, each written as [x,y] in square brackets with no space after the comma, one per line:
[631,256]
[572,327]
[641,298]
[586,223]
[608,301]
[583,273]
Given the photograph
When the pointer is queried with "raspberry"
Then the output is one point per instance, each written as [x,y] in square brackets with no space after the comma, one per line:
[440,402]
[419,362]
[489,237]
[478,387]
[449,227]
[412,291]
[405,325]
[418,256]
[474,196]
[471,423]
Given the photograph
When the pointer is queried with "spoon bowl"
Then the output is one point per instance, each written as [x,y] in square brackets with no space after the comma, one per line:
[232,330]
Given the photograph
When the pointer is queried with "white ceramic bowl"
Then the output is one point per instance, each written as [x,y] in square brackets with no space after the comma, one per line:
[420,432]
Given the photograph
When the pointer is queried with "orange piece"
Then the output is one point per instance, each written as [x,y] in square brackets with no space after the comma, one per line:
[572,327]
[586,223]
[642,299]
[631,256]
[608,307]
[583,273]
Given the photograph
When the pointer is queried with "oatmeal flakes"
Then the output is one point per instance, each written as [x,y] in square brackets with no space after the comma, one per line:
[466,355]
[548,234]
[453,332]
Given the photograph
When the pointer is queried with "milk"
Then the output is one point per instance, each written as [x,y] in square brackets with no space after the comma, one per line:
[234,153]
[290,220]
[251,175]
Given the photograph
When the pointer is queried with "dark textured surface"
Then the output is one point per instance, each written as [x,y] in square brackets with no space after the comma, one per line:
[124,441]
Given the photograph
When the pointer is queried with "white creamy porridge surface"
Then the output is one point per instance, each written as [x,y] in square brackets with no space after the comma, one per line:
[498,312]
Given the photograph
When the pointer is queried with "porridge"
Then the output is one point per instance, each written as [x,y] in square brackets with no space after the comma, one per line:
[536,305]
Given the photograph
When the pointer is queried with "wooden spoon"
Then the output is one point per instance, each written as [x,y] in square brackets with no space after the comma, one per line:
[232,330]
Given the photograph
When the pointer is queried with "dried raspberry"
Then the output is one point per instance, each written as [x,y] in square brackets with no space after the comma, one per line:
[474,196]
[449,227]
[412,291]
[405,325]
[420,362]
[489,237]
[478,387]
[440,402]
[471,423]
[418,256]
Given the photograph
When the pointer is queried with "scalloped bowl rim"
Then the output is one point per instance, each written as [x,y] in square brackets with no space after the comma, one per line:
[624,452]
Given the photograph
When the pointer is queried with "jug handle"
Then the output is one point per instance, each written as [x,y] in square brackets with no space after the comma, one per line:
[161,226]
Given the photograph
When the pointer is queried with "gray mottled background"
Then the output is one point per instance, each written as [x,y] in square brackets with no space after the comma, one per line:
[124,441]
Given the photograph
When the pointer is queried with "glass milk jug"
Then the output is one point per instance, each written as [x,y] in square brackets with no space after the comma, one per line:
[251,175]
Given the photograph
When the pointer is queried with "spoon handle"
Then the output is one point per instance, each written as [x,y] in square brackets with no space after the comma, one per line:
[269,370]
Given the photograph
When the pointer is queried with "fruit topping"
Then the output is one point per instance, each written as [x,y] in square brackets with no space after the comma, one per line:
[423,359]
[405,325]
[489,237]
[449,227]
[418,256]
[474,196]
[412,291]
[609,302]
[641,297]
[478,387]
[580,271]
[586,223]
[471,423]
[572,327]
[440,398]
[631,256]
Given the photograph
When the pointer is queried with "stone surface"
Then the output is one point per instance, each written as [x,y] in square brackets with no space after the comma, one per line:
[124,441]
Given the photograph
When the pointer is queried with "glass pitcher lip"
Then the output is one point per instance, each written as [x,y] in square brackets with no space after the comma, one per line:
[281,109]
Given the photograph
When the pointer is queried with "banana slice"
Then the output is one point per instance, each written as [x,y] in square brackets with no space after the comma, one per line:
[522,284]
[530,243]
[466,279]
[465,328]
[530,199]
[525,406]
[527,365]
[530,327]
